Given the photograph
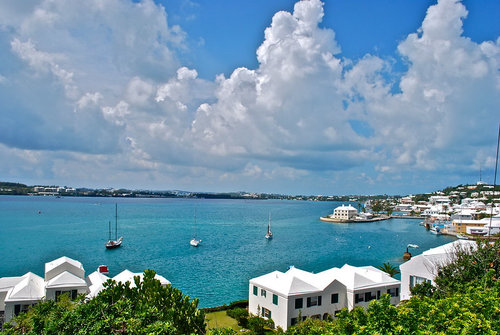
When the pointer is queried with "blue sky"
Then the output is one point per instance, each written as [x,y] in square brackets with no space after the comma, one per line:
[340,97]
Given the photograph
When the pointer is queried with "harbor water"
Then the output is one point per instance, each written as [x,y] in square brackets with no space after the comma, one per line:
[156,234]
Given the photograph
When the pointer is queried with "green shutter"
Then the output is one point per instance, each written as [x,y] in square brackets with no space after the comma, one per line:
[255,290]
[275,299]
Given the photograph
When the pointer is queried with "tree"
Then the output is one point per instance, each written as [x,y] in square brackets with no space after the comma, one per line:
[388,268]
[377,206]
[468,267]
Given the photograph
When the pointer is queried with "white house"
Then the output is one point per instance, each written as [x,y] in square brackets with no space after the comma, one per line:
[423,268]
[344,212]
[284,297]
[62,275]
[18,294]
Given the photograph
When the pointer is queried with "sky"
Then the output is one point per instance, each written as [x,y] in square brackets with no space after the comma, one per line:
[292,97]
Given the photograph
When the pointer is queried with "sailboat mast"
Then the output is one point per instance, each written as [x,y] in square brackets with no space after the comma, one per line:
[109,230]
[116,222]
[194,228]
[269,224]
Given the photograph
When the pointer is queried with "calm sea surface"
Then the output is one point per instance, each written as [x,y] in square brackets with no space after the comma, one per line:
[157,232]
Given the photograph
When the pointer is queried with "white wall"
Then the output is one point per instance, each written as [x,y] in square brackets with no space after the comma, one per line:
[416,266]
[285,310]
[9,307]
[50,293]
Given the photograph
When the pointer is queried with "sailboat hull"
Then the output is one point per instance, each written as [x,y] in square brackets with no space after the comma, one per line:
[113,244]
[194,242]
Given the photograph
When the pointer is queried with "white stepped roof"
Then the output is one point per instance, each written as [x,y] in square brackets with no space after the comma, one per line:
[55,263]
[30,287]
[95,281]
[361,277]
[66,279]
[296,281]
[289,283]
[127,275]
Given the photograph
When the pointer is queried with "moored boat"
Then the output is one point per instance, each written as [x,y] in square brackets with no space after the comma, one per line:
[117,242]
[269,234]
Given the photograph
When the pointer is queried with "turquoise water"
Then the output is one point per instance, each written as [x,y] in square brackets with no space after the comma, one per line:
[157,232]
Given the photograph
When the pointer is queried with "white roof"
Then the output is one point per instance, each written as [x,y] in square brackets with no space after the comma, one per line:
[55,263]
[6,283]
[355,278]
[348,207]
[440,255]
[127,275]
[95,282]
[30,287]
[66,279]
[449,248]
[296,281]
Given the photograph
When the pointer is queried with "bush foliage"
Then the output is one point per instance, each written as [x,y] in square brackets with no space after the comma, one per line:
[148,308]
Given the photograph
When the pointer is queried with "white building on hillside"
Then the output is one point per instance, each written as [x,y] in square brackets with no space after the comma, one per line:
[63,275]
[423,268]
[284,296]
[18,294]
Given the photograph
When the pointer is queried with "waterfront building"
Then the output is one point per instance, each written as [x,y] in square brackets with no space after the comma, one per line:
[284,297]
[477,227]
[424,267]
[344,212]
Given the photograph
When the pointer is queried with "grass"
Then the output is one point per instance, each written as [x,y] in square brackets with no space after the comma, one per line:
[221,320]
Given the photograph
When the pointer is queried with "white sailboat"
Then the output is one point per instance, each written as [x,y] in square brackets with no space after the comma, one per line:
[269,234]
[194,242]
[112,244]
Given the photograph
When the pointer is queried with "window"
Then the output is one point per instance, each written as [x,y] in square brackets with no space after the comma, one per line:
[71,293]
[359,297]
[293,321]
[266,313]
[335,298]
[369,296]
[263,292]
[275,299]
[314,301]
[255,290]
[21,308]
[394,292]
[299,303]
[415,280]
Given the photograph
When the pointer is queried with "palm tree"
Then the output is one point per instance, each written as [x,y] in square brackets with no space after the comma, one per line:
[388,268]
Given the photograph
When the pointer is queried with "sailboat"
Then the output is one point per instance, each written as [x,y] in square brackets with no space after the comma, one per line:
[269,234]
[194,242]
[112,244]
